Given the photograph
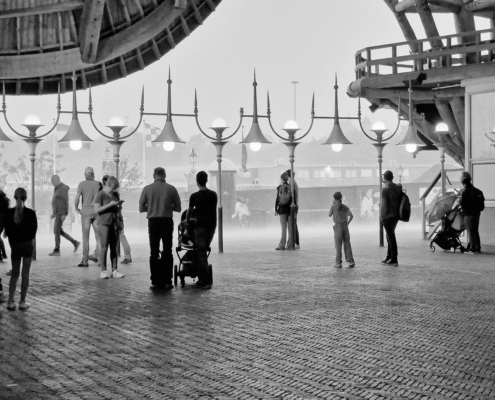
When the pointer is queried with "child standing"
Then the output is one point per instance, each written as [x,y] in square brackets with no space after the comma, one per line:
[342,217]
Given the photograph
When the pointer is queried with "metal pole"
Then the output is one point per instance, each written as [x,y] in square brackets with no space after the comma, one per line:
[33,197]
[379,148]
[295,97]
[442,165]
[292,224]
[220,205]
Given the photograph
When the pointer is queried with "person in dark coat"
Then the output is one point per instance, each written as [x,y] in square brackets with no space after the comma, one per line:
[21,226]
[389,215]
[282,209]
[472,203]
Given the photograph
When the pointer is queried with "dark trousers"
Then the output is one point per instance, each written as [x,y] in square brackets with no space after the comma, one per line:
[389,224]
[59,231]
[203,238]
[161,229]
[296,233]
[472,223]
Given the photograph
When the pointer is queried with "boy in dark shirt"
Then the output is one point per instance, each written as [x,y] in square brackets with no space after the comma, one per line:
[203,208]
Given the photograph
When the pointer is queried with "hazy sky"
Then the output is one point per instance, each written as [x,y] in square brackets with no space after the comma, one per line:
[285,40]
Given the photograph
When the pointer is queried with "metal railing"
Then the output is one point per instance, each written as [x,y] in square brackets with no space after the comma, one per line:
[426,54]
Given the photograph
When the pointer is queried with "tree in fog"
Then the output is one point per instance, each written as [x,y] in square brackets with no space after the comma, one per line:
[129,176]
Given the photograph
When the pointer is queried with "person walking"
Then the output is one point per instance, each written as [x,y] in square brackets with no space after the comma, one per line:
[389,215]
[242,211]
[203,207]
[87,190]
[122,239]
[159,201]
[282,209]
[296,202]
[21,225]
[108,207]
[342,217]
[4,206]
[60,210]
[472,203]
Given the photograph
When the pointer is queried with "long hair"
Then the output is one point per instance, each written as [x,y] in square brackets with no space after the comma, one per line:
[20,196]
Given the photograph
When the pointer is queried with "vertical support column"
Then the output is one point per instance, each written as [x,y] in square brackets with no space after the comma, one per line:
[32,157]
[32,142]
[292,223]
[423,218]
[219,146]
[379,148]
[442,165]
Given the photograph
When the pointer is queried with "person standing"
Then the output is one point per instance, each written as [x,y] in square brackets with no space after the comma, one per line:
[342,217]
[472,203]
[60,210]
[4,206]
[282,209]
[122,239]
[21,225]
[88,189]
[389,215]
[108,207]
[296,202]
[242,211]
[159,201]
[203,207]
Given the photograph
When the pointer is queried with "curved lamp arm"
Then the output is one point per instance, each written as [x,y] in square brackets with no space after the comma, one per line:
[241,112]
[312,120]
[4,111]
[268,115]
[90,109]
[396,128]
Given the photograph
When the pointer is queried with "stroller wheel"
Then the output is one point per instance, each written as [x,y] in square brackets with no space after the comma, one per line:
[432,248]
[210,273]
[175,275]
[452,249]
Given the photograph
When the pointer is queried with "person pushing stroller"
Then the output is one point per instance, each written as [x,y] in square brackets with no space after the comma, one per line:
[203,208]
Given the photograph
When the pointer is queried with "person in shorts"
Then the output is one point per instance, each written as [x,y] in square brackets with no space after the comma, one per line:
[342,217]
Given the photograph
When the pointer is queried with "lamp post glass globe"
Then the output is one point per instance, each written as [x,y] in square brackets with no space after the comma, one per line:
[218,123]
[411,148]
[32,120]
[75,145]
[168,146]
[378,126]
[291,125]
[116,121]
[255,146]
[337,147]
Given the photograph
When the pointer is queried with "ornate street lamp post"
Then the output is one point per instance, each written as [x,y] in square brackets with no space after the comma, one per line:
[379,130]
[400,173]
[32,124]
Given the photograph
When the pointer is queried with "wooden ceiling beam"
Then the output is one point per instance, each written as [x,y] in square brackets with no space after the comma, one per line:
[480,5]
[417,95]
[89,31]
[68,5]
[139,33]
[404,24]
[428,22]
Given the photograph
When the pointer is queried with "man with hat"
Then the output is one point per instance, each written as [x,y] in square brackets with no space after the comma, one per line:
[389,215]
[87,189]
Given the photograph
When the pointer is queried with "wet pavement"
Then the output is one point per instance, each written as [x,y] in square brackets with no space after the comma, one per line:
[275,325]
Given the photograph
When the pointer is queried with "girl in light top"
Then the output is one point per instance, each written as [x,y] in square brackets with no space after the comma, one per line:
[342,217]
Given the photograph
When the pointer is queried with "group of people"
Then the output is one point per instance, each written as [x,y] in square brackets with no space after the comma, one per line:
[287,198]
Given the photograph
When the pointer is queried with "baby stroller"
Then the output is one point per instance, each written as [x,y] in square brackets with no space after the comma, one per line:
[448,237]
[188,264]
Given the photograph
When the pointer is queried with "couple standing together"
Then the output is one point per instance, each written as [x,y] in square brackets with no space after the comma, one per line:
[283,203]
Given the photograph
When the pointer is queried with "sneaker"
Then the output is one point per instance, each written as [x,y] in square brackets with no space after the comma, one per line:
[205,286]
[280,248]
[93,258]
[23,305]
[469,252]
[9,272]
[83,264]
[352,264]
[391,263]
[55,253]
[337,265]
[117,274]
[297,247]
[385,261]
[11,305]
[126,261]
[2,297]
[76,246]
[103,275]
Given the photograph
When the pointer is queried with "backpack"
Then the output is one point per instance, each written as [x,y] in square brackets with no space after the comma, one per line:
[284,195]
[404,208]
[480,200]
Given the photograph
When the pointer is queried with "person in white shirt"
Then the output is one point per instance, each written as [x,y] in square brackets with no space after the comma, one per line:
[242,211]
[367,205]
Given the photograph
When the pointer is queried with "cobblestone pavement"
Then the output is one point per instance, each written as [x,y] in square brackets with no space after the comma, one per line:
[276,325]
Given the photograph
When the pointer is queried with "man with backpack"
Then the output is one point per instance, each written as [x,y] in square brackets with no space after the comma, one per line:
[472,203]
[390,215]
[282,209]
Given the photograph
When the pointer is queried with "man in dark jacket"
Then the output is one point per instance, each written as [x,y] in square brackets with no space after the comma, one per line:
[389,215]
[472,203]
[60,209]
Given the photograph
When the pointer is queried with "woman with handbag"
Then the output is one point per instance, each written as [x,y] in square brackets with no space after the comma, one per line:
[108,206]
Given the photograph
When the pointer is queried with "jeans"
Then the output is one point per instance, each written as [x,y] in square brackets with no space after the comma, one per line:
[341,236]
[58,231]
[161,230]
[203,237]
[108,238]
[16,271]
[472,223]
[87,221]
[125,245]
[285,221]
[389,224]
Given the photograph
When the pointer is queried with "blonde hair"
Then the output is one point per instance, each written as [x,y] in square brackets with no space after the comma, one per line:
[20,196]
